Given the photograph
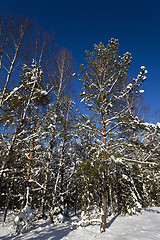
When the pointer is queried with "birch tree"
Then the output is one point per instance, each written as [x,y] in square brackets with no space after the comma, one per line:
[12,33]
[28,102]
[61,86]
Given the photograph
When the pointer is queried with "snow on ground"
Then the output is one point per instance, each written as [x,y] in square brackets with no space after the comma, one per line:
[143,226]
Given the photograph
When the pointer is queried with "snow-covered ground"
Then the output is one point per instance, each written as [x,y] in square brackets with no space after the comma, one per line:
[143,226]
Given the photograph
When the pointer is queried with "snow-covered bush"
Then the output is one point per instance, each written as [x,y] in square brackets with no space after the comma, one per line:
[24,220]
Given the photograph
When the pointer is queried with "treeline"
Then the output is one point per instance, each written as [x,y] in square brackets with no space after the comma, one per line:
[55,158]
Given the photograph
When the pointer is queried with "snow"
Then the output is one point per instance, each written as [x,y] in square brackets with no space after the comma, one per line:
[141,91]
[129,85]
[146,124]
[143,67]
[14,90]
[158,124]
[142,226]
[43,92]
[144,77]
[82,99]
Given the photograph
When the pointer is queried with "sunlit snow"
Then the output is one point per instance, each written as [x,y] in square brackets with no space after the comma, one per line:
[141,226]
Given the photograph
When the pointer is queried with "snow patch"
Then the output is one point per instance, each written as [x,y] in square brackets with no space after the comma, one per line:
[141,91]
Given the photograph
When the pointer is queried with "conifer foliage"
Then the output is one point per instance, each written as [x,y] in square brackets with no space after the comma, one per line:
[54,158]
[116,135]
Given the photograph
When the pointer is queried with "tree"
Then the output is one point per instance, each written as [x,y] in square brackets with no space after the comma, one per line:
[105,91]
[27,101]
[20,101]
[57,126]
[20,42]
[12,32]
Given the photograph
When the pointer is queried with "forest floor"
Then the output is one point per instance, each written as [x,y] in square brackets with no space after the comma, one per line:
[144,225]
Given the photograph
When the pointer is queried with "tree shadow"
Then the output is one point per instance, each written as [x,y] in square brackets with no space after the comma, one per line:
[152,210]
[43,232]
[111,221]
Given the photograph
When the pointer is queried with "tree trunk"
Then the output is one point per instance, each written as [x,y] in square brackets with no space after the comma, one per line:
[99,195]
[11,68]
[111,198]
[118,190]
[30,160]
[7,203]
[104,207]
[42,213]
[104,164]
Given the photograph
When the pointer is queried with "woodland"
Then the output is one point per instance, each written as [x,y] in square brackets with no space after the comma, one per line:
[97,159]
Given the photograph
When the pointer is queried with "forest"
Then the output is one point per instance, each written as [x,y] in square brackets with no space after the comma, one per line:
[97,159]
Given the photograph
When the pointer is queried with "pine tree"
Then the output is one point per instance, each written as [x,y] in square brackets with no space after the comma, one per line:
[105,91]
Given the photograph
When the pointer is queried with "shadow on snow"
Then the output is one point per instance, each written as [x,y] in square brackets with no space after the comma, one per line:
[111,221]
[43,231]
[152,210]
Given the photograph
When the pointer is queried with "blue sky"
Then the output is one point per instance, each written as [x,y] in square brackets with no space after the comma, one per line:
[80,24]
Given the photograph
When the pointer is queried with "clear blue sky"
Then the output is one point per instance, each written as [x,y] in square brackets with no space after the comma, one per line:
[80,24]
